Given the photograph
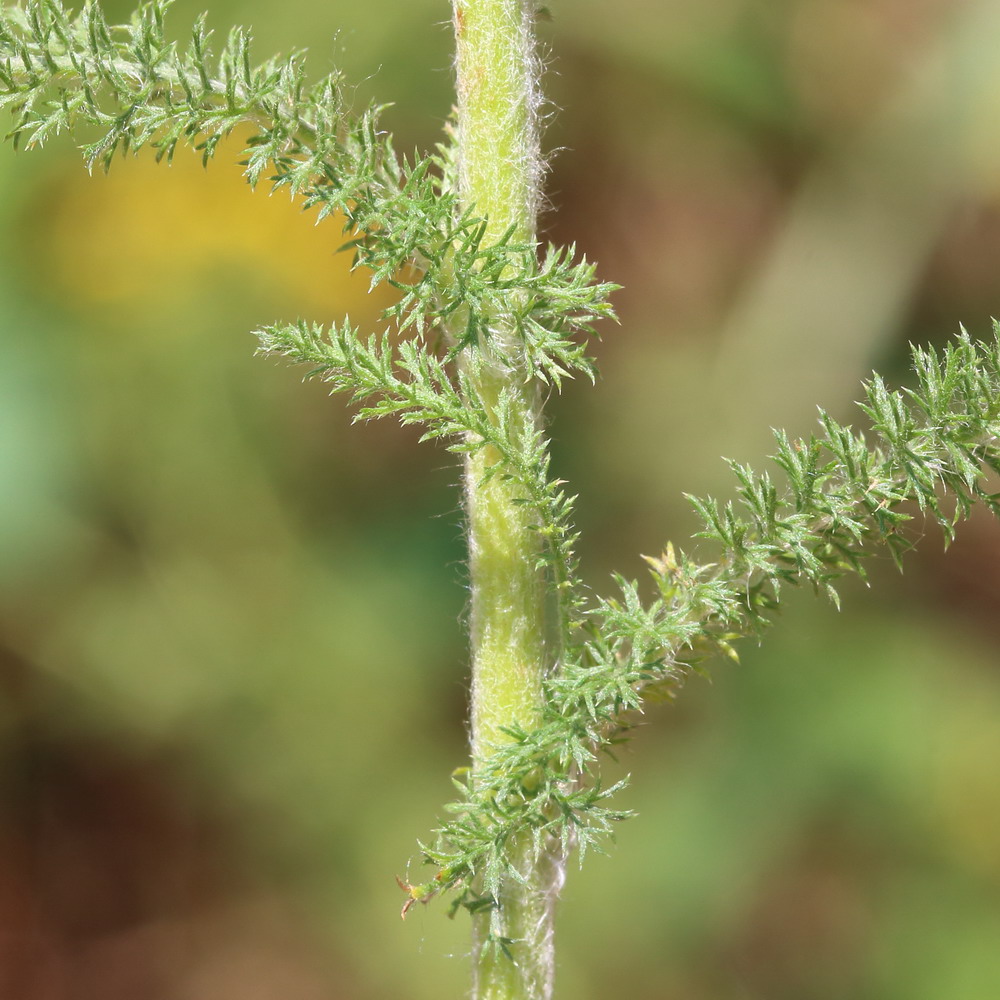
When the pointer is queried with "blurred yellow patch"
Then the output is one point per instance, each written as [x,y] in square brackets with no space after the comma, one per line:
[964,786]
[150,232]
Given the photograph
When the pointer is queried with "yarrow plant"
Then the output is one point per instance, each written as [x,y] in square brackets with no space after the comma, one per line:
[484,321]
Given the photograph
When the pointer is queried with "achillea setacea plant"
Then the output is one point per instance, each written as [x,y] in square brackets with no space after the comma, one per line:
[484,322]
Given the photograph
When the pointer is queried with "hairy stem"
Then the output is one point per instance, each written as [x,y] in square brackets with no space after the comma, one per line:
[499,168]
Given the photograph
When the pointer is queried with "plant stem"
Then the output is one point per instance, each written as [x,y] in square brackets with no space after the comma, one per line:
[499,170]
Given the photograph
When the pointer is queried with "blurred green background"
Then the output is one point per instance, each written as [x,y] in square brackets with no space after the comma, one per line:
[231,643]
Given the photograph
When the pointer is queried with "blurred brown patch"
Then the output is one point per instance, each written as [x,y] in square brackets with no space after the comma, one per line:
[120,881]
[806,934]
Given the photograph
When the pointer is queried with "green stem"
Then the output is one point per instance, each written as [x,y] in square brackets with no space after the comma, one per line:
[499,171]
